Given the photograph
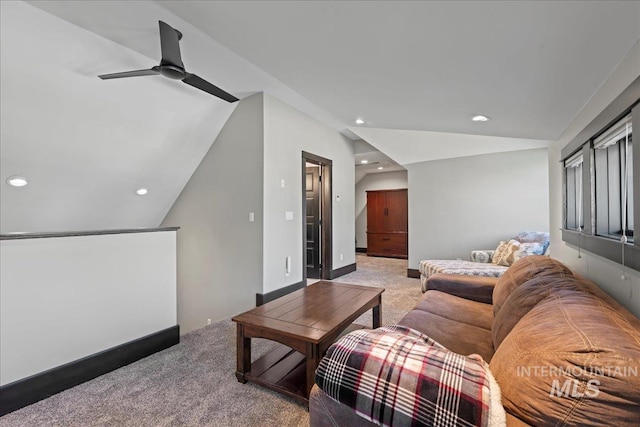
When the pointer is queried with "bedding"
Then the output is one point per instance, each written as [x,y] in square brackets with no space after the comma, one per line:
[398,376]
[469,268]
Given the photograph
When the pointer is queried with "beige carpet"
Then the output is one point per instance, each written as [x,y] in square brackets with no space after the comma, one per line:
[193,383]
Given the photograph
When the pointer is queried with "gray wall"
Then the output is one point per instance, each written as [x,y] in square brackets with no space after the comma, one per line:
[457,205]
[607,274]
[287,133]
[223,259]
[219,250]
[373,181]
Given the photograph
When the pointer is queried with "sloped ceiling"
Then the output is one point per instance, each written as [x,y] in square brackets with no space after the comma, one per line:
[415,71]
[410,146]
[87,145]
[430,65]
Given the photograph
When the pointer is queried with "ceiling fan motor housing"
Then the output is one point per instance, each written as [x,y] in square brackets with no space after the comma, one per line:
[172,72]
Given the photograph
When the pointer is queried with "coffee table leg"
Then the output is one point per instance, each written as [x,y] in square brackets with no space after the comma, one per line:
[377,315]
[313,360]
[243,352]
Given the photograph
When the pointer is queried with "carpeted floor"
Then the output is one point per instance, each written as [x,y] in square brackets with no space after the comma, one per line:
[193,383]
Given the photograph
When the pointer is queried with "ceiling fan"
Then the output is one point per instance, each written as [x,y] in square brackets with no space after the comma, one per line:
[171,66]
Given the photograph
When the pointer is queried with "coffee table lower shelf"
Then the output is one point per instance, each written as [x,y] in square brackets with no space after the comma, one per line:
[284,370]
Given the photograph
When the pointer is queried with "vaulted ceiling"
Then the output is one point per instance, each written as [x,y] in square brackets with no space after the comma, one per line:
[414,71]
[431,65]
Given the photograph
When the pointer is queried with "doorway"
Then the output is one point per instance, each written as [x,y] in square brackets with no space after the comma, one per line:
[316,208]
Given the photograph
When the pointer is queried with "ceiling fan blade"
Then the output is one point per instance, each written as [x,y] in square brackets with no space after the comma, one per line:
[204,85]
[170,45]
[137,73]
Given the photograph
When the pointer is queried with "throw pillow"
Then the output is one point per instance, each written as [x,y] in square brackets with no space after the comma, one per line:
[481,256]
[506,256]
[526,249]
[499,253]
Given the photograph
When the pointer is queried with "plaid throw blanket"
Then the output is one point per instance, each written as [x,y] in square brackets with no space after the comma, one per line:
[396,376]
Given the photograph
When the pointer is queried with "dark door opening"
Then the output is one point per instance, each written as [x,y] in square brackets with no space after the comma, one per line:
[316,224]
[314,220]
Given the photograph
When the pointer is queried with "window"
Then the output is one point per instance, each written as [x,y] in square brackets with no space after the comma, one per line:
[574,218]
[613,155]
[601,209]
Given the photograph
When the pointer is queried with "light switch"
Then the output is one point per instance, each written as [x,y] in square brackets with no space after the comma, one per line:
[252,216]
[282,183]
[337,197]
[288,216]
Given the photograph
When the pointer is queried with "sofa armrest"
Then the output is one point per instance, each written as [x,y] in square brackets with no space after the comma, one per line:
[326,412]
[475,288]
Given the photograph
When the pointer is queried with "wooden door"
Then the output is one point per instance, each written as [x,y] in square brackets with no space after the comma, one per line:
[396,218]
[313,222]
[387,223]
[376,208]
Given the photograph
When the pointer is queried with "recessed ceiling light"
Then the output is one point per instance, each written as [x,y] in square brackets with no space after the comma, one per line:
[359,121]
[364,162]
[17,181]
[380,168]
[141,191]
[480,118]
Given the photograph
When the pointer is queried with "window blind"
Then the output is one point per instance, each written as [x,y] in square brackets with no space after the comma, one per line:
[574,161]
[614,134]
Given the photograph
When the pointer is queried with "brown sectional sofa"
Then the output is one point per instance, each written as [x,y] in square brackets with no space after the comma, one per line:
[562,351]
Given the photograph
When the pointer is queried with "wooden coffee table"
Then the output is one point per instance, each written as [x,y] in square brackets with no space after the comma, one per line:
[306,322]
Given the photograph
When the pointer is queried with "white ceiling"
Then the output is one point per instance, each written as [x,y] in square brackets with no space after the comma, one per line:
[530,65]
[415,71]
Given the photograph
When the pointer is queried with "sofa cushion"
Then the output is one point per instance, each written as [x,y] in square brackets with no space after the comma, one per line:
[458,337]
[523,270]
[454,308]
[461,325]
[475,288]
[572,359]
